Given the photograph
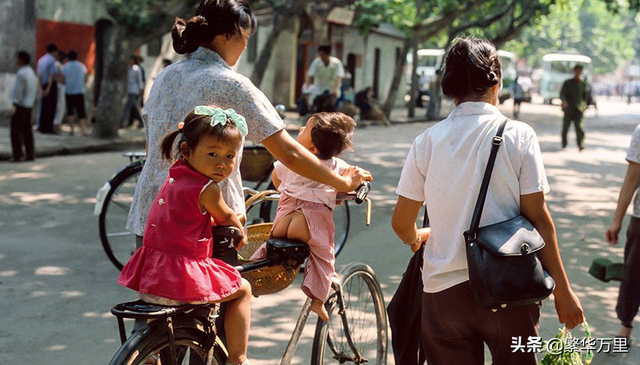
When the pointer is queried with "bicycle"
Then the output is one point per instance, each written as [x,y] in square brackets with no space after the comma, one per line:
[114,198]
[187,335]
[113,201]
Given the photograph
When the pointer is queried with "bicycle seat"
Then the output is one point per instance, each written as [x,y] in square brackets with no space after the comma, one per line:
[280,250]
[141,309]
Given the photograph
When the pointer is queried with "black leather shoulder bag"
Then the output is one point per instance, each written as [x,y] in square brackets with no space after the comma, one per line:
[504,268]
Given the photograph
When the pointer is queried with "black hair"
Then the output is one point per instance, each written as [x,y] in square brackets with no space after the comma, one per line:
[24,57]
[194,128]
[213,17]
[331,133]
[51,48]
[73,55]
[578,67]
[472,66]
[325,49]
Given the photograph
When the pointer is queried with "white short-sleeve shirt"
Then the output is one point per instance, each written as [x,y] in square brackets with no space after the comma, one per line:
[203,78]
[444,169]
[633,155]
[324,76]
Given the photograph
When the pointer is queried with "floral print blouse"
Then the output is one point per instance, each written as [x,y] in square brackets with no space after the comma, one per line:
[203,78]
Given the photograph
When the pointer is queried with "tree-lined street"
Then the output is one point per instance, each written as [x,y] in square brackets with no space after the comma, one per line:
[57,285]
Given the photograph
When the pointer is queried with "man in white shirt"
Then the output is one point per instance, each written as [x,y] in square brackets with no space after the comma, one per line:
[325,74]
[23,98]
[135,85]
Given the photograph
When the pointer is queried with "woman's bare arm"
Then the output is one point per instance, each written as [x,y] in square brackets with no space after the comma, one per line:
[404,225]
[297,158]
[568,306]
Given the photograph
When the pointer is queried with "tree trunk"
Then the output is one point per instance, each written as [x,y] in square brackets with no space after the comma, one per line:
[398,76]
[262,62]
[110,106]
[413,90]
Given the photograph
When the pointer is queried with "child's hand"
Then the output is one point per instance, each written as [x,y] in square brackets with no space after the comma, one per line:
[242,218]
[241,243]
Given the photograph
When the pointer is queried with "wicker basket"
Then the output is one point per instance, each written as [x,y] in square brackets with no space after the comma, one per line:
[269,279]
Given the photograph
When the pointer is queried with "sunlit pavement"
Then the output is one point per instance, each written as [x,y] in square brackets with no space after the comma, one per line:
[57,286]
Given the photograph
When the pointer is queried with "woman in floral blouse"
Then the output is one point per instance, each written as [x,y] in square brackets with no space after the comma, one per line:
[214,39]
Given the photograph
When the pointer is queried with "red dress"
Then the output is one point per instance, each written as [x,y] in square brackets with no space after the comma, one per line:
[175,261]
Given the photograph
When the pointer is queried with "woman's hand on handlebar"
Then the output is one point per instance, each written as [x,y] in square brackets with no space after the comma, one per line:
[354,176]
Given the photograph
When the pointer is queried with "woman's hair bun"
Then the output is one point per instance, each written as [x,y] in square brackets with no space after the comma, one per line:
[471,66]
[492,78]
[188,35]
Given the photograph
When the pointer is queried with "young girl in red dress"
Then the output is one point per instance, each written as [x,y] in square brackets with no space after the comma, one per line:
[174,265]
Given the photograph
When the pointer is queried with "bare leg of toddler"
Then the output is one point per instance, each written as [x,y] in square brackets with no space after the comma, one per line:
[294,226]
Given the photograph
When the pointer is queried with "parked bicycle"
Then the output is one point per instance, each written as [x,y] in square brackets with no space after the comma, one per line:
[356,332]
[113,201]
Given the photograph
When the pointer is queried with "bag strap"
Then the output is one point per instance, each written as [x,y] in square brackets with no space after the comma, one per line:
[482,195]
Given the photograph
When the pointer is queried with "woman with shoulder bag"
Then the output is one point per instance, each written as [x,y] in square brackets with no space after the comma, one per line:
[444,169]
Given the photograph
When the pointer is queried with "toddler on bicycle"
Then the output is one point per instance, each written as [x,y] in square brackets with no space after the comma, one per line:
[174,265]
[305,209]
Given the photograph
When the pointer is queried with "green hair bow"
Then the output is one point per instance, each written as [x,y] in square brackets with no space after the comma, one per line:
[219,116]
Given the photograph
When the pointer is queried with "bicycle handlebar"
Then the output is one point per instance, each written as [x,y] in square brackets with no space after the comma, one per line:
[362,192]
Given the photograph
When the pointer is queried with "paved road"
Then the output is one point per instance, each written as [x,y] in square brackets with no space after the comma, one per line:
[56,285]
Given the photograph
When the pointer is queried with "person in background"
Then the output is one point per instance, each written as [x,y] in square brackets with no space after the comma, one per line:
[47,74]
[629,294]
[443,170]
[75,77]
[166,62]
[135,87]
[574,94]
[435,97]
[61,58]
[518,95]
[325,74]
[139,60]
[363,101]
[23,98]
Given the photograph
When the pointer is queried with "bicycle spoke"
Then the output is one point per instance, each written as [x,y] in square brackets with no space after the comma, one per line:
[356,335]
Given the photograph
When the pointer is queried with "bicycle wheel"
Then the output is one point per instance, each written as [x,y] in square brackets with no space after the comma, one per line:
[190,342]
[117,241]
[341,220]
[364,322]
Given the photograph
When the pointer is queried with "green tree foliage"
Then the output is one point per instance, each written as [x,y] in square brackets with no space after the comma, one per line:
[588,27]
[132,23]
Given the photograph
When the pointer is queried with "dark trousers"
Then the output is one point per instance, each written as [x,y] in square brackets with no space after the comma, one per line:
[575,117]
[131,108]
[629,297]
[48,109]
[22,134]
[454,329]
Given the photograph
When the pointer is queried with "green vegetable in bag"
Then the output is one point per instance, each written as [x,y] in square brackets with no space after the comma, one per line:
[559,354]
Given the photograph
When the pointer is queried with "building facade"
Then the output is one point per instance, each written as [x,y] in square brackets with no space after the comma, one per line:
[76,24]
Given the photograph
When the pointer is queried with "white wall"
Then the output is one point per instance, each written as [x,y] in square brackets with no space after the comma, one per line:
[73,11]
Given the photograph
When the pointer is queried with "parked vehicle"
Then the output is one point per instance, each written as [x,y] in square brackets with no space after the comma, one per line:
[558,67]
[508,62]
